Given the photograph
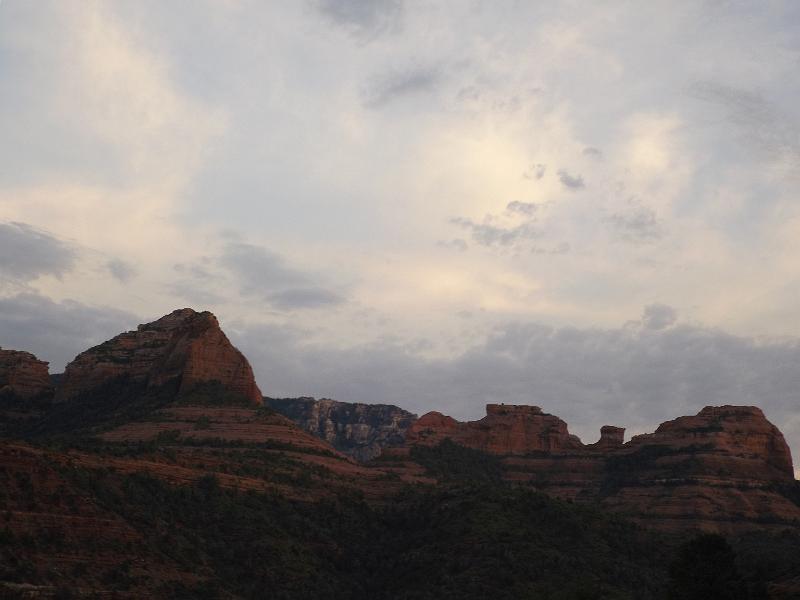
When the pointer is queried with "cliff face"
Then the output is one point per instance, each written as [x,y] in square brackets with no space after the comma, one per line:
[739,438]
[722,469]
[23,375]
[506,429]
[184,346]
[358,430]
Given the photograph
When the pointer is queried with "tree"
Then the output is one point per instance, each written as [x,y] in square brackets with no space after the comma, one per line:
[705,569]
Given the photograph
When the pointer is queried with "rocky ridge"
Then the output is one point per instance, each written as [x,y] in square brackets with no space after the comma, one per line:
[722,469]
[506,429]
[184,347]
[356,429]
[74,508]
[23,375]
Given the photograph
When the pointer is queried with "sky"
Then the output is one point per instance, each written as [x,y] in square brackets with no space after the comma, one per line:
[588,206]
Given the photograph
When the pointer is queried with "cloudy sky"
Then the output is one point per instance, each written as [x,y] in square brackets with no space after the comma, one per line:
[589,206]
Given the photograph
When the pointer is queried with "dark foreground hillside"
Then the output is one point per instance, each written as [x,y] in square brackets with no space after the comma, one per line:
[137,535]
[205,541]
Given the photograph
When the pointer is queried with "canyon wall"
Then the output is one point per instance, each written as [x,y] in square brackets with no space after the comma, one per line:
[358,430]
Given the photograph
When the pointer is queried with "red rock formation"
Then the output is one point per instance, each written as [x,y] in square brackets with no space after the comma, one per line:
[183,346]
[506,429]
[739,438]
[433,427]
[23,375]
[720,470]
[610,437]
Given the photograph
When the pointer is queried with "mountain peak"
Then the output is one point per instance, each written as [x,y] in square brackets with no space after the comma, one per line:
[184,347]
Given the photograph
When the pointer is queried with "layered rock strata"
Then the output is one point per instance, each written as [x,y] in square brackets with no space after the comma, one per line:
[506,429]
[725,469]
[184,347]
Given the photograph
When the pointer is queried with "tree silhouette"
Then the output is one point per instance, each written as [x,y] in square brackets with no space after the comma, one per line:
[705,569]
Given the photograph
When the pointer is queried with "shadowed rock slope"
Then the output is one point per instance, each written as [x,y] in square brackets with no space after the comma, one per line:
[358,430]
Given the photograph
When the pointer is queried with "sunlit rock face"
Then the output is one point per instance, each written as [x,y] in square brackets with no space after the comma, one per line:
[23,375]
[184,347]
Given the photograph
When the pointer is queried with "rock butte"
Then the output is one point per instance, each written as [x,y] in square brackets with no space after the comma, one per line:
[185,346]
[742,432]
[23,375]
[717,470]
[506,429]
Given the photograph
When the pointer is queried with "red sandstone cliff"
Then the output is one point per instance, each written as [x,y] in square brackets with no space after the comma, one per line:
[23,375]
[506,429]
[721,469]
[183,346]
[736,439]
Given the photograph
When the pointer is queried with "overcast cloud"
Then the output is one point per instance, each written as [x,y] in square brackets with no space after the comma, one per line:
[593,208]
[27,253]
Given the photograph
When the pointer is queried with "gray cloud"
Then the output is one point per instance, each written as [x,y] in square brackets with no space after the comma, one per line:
[364,19]
[527,209]
[560,248]
[658,316]
[266,274]
[536,171]
[572,182]
[194,270]
[635,378]
[193,283]
[455,244]
[592,151]
[304,298]
[121,271]
[259,270]
[764,126]
[398,84]
[57,331]
[487,234]
[27,253]
[637,225]
[194,293]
